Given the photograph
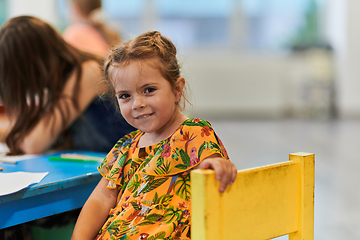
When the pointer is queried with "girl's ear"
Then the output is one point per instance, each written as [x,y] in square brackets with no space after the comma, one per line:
[179,88]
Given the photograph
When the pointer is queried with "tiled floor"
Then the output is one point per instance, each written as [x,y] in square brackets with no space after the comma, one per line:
[337,156]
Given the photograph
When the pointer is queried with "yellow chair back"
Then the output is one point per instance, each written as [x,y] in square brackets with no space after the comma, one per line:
[263,203]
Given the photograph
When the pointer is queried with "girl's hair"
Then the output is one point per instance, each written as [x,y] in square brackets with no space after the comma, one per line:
[148,46]
[88,8]
[35,64]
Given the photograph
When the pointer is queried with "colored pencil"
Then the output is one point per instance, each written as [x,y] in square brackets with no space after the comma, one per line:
[76,158]
[8,161]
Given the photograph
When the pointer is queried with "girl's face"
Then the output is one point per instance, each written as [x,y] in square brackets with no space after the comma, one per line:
[146,99]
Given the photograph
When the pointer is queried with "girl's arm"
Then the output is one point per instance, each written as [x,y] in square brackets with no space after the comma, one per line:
[49,127]
[225,171]
[95,211]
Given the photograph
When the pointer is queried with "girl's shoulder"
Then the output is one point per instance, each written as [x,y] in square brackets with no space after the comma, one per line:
[91,69]
[191,122]
[90,83]
[127,140]
[195,126]
[191,143]
[90,76]
[119,150]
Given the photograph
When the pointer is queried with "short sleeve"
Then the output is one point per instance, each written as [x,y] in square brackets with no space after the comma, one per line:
[194,141]
[112,166]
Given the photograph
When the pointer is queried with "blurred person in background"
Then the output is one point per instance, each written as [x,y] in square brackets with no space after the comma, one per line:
[87,32]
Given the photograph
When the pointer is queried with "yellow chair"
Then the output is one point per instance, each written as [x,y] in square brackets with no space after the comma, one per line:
[263,203]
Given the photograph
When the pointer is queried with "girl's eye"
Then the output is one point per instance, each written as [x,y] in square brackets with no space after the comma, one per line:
[123,96]
[149,90]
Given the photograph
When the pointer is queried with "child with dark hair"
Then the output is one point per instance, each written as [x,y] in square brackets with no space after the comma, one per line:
[51,92]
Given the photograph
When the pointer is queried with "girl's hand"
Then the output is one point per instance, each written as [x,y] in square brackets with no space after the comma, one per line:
[225,171]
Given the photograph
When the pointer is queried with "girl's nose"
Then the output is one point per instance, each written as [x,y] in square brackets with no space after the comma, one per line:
[139,102]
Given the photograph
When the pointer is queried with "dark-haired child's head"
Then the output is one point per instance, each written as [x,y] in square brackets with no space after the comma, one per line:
[34,59]
[35,65]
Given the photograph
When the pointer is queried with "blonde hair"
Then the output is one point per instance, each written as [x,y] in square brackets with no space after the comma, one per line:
[148,46]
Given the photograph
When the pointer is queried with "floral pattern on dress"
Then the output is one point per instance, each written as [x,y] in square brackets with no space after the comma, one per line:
[155,197]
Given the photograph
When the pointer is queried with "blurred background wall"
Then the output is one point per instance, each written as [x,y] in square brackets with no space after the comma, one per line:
[245,58]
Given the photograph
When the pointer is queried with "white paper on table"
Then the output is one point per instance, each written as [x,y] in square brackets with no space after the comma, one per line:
[15,181]
[17,158]
[4,149]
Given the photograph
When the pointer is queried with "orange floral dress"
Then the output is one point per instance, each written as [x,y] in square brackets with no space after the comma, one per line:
[154,201]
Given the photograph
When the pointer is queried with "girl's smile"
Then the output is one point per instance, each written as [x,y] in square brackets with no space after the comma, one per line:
[147,100]
[144,116]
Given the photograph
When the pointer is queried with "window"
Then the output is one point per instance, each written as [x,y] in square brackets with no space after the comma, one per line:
[251,24]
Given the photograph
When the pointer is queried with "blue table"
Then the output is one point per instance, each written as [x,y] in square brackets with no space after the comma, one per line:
[65,188]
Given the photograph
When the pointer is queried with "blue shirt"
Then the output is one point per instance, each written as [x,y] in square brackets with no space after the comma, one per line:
[99,127]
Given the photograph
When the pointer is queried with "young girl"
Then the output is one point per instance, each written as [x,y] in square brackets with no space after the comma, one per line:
[145,189]
[51,92]
[86,32]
